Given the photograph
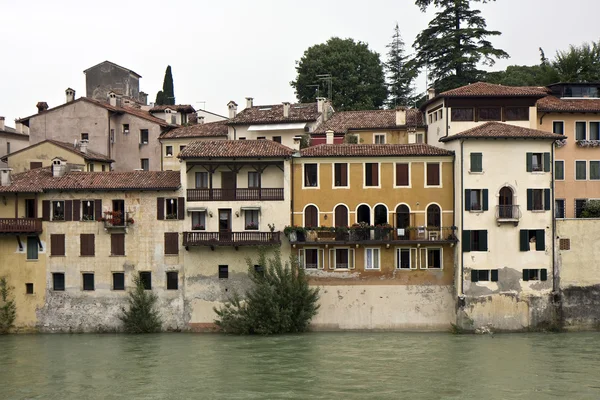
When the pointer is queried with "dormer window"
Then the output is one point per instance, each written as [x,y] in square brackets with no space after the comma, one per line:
[264,109]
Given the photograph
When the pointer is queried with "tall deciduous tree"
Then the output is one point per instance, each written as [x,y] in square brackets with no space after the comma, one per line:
[400,73]
[454,42]
[579,63]
[357,78]
[166,96]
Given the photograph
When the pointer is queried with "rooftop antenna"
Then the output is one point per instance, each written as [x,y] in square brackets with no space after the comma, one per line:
[327,79]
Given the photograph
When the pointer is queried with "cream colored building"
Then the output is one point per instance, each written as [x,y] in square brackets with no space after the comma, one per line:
[10,141]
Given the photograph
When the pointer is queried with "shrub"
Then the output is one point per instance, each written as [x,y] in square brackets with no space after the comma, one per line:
[351,139]
[142,316]
[8,308]
[591,209]
[279,300]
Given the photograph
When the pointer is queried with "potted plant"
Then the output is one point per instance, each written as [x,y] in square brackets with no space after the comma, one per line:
[326,233]
[382,231]
[198,227]
[252,226]
[130,221]
[172,216]
[341,233]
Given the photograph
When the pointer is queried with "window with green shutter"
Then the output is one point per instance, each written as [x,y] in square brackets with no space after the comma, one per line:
[529,237]
[475,240]
[476,162]
[484,275]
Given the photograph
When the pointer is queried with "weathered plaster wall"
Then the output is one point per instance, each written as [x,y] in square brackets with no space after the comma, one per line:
[15,142]
[43,153]
[128,150]
[102,78]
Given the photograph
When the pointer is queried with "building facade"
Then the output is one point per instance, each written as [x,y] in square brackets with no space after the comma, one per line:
[10,141]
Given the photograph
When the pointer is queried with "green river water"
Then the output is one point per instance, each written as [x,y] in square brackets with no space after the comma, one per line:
[309,366]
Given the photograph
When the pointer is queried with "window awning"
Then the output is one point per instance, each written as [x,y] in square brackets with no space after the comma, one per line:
[250,208]
[278,127]
[196,209]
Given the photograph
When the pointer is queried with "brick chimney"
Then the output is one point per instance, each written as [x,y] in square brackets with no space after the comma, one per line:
[329,137]
[5,176]
[1,123]
[430,93]
[232,106]
[286,109]
[70,93]
[249,102]
[400,116]
[83,145]
[320,104]
[41,106]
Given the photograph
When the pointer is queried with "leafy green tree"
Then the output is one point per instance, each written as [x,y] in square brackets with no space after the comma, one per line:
[591,209]
[357,78]
[400,73]
[454,43]
[142,316]
[524,75]
[8,308]
[166,96]
[279,300]
[579,63]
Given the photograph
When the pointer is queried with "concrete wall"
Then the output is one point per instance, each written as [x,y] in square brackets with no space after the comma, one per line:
[14,142]
[127,151]
[210,117]
[102,78]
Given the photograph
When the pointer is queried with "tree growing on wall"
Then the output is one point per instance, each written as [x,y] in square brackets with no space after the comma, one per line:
[8,308]
[454,43]
[166,96]
[142,315]
[357,77]
[279,300]
[400,73]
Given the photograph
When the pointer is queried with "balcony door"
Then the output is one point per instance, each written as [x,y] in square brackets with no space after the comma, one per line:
[30,211]
[225,224]
[402,220]
[506,202]
[228,185]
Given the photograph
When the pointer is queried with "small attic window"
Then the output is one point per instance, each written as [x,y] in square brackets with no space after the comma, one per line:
[300,106]
[264,109]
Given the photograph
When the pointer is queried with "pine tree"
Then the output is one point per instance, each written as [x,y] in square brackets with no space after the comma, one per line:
[166,96]
[142,316]
[8,308]
[400,73]
[454,43]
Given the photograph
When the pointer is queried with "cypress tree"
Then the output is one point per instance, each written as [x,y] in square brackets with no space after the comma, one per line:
[167,95]
[400,73]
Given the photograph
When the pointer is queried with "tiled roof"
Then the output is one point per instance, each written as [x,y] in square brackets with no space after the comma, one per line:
[499,130]
[41,180]
[235,149]
[483,89]
[89,156]
[186,108]
[271,114]
[209,129]
[375,150]
[343,121]
[554,104]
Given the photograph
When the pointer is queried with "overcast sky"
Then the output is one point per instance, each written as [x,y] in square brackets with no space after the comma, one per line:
[228,50]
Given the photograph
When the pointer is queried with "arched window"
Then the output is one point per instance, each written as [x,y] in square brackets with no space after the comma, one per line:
[402,216]
[341,215]
[363,214]
[311,217]
[505,200]
[434,216]
[381,214]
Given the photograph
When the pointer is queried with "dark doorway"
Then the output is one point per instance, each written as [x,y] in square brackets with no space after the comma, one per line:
[30,211]
[364,214]
[402,219]
[228,185]
[225,224]
[506,203]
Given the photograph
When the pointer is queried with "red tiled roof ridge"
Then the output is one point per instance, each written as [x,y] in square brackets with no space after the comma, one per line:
[499,130]
[472,88]
[90,155]
[343,121]
[556,104]
[235,149]
[272,114]
[207,129]
[373,150]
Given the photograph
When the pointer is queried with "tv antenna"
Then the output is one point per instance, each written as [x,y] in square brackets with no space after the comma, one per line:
[203,104]
[328,81]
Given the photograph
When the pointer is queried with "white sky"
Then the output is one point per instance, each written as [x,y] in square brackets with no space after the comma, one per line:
[227,50]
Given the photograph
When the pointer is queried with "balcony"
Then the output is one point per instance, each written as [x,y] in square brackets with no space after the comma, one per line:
[115,220]
[373,235]
[508,214]
[262,194]
[20,225]
[234,239]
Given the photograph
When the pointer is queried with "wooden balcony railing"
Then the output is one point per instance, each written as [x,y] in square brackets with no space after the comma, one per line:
[231,238]
[263,194]
[20,225]
[376,235]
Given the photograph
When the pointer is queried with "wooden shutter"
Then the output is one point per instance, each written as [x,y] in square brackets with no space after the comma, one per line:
[401,174]
[474,275]
[331,258]
[117,244]
[35,165]
[529,162]
[181,207]
[68,210]
[485,199]
[540,240]
[46,210]
[301,258]
[530,199]
[476,162]
[98,209]
[546,162]
[494,275]
[344,174]
[375,174]
[483,241]
[57,244]
[466,241]
[311,217]
[171,243]
[543,274]
[160,208]
[321,259]
[341,216]
[525,274]
[76,210]
[524,240]
[546,199]
[87,245]
[467,199]
[433,174]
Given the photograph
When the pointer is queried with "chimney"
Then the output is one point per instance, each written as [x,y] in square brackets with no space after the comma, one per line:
[329,137]
[249,102]
[296,145]
[400,116]
[201,119]
[143,98]
[232,109]
[1,123]
[70,94]
[58,167]
[18,126]
[83,145]
[41,106]
[193,118]
[5,176]
[112,99]
[430,93]
[286,109]
[320,104]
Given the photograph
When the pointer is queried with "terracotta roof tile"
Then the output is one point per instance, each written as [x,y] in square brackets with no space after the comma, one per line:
[209,129]
[41,180]
[235,149]
[554,104]
[344,121]
[375,150]
[483,89]
[271,114]
[186,108]
[498,130]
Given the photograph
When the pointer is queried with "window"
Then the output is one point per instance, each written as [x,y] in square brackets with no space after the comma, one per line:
[476,162]
[198,221]
[580,133]
[434,258]
[434,216]
[594,170]
[201,180]
[484,275]
[311,217]
[462,114]
[475,240]
[371,258]
[87,207]
[277,139]
[535,274]
[537,162]
[402,174]
[171,243]
[146,279]
[90,167]
[223,271]
[145,164]
[340,214]
[117,244]
[242,138]
[559,208]
[251,220]
[181,147]
[29,288]
[341,175]
[58,211]
[7,147]
[433,174]
[490,114]
[558,127]
[88,281]
[559,170]
[58,281]
[103,167]
[311,175]
[173,119]
[253,180]
[309,258]
[580,170]
[516,113]
[85,136]
[538,199]
[261,137]
[594,130]
[171,209]
[380,214]
[144,136]
[474,200]
[35,164]
[32,248]
[404,258]
[343,258]
[169,151]
[420,137]
[532,239]
[371,174]
[379,138]
[118,281]
[579,207]
[57,245]
[172,280]
[112,135]
[125,128]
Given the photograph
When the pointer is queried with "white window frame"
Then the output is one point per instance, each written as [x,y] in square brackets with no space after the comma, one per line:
[563,124]
[304,177]
[93,205]
[412,258]
[420,135]
[564,171]
[534,171]
[575,130]
[257,224]
[425,174]
[427,258]
[409,175]
[589,171]
[375,135]
[205,220]
[378,263]
[52,202]
[347,175]
[564,208]
[320,258]
[533,202]
[351,259]
[364,175]
[167,151]
[586,170]
[589,129]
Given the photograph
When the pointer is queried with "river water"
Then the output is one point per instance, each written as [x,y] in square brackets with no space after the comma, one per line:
[309,366]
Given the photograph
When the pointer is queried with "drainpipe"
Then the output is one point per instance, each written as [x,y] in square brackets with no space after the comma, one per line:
[462,218]
[553,211]
[292,190]
[109,152]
